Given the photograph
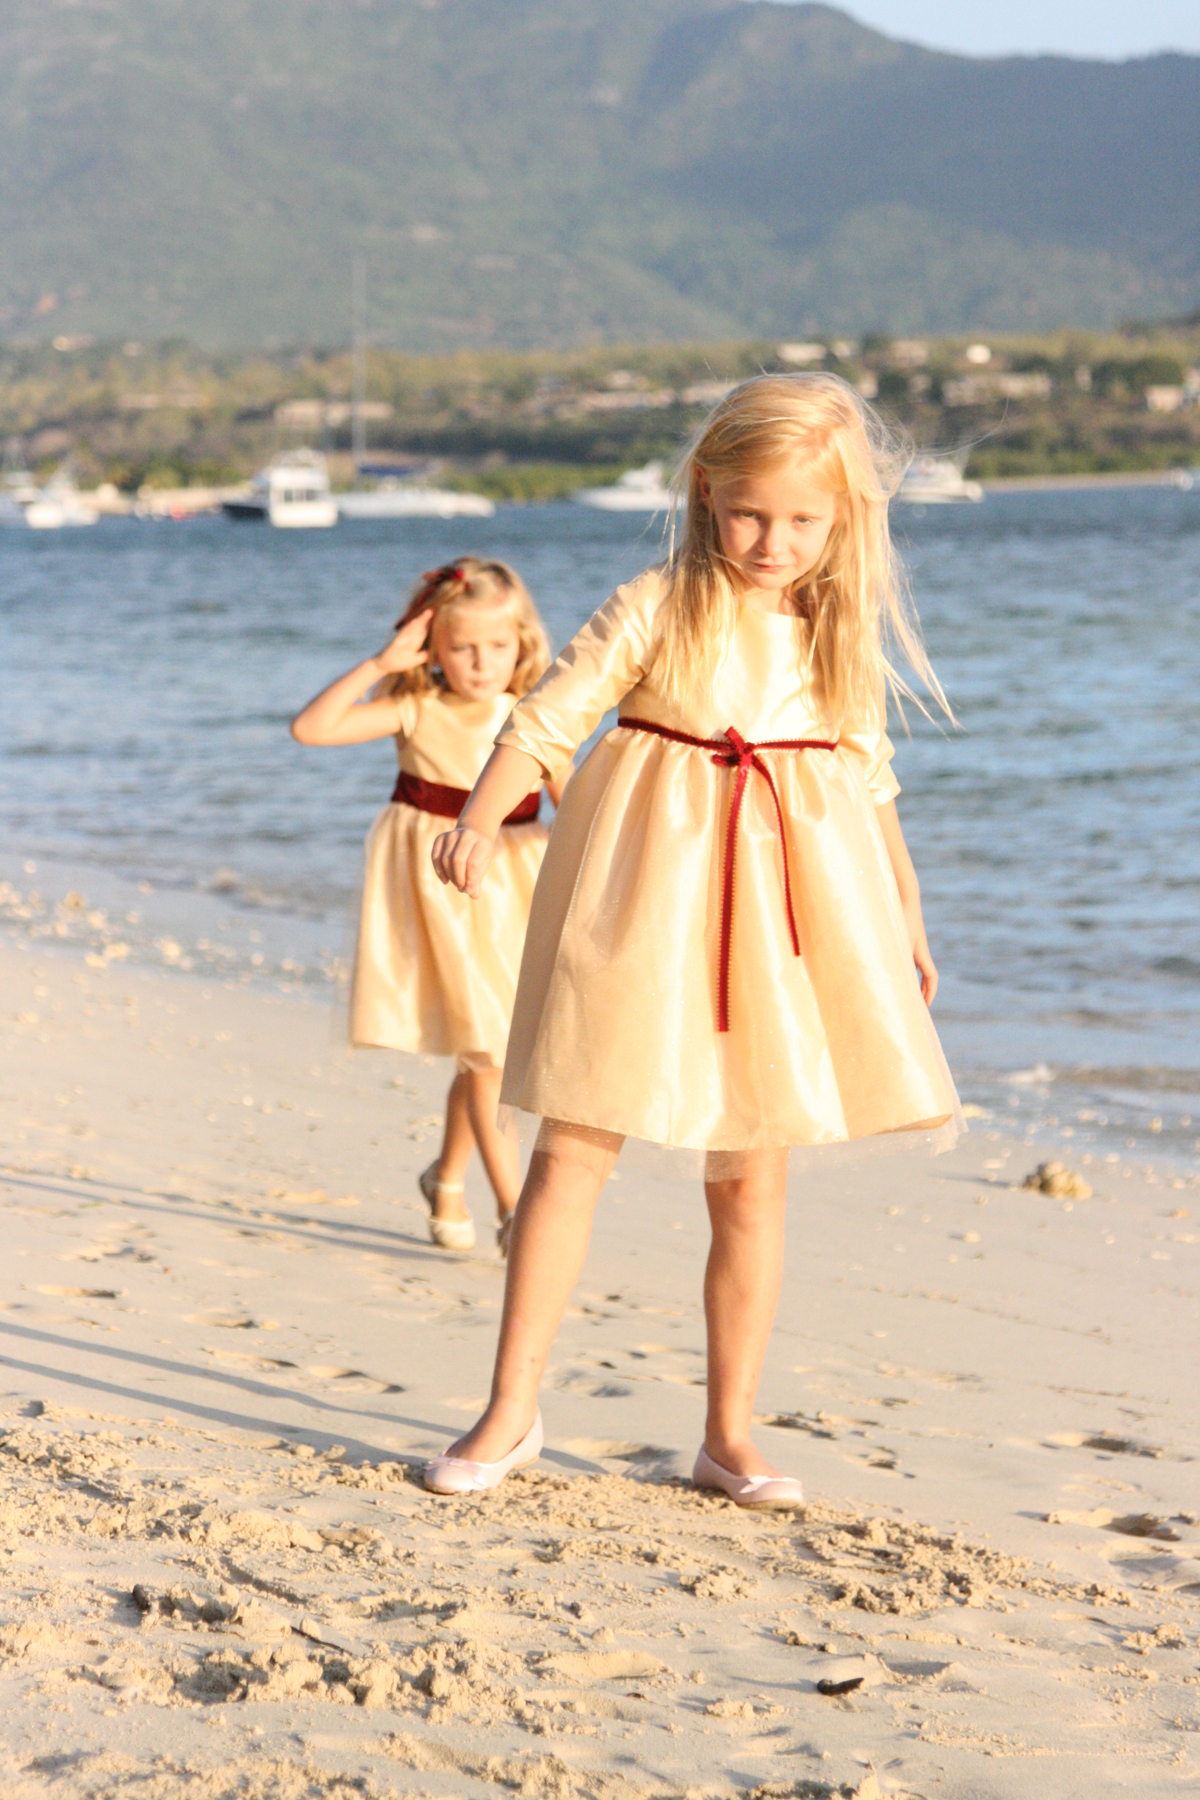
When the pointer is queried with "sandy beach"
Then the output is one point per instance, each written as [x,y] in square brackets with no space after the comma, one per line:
[228,1346]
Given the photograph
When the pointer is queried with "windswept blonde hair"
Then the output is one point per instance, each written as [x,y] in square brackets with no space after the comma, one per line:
[855,599]
[472,581]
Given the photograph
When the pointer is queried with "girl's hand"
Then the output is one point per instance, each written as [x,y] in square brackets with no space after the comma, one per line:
[910,896]
[925,963]
[406,649]
[461,858]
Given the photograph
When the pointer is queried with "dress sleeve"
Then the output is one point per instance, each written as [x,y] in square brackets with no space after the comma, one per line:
[410,707]
[874,750]
[598,667]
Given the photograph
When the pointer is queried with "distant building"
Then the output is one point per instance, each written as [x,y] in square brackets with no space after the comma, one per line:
[976,390]
[310,415]
[706,393]
[1164,399]
[1034,384]
[602,400]
[801,355]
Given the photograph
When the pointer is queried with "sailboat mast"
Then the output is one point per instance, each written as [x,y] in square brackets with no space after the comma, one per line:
[358,360]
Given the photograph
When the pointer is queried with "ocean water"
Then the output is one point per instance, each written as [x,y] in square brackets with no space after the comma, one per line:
[154,808]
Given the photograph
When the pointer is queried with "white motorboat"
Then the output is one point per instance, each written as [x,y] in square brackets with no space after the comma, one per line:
[292,493]
[396,495]
[936,481]
[48,508]
[399,500]
[638,490]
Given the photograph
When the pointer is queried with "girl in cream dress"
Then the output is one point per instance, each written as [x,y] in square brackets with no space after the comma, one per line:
[432,971]
[726,948]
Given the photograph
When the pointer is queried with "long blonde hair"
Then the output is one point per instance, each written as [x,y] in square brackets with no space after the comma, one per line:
[855,599]
[472,581]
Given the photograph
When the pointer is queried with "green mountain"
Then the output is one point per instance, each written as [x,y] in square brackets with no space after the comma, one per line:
[529,172]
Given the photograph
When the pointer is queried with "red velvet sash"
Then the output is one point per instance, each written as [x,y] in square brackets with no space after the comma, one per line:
[448,802]
[733,752]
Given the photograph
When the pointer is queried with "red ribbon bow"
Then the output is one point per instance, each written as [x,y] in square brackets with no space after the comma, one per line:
[737,754]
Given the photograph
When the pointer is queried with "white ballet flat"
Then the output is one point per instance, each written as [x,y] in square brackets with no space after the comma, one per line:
[778,1493]
[452,1475]
[447,1234]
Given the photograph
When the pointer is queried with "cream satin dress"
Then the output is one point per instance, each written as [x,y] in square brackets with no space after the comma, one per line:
[615,1021]
[434,971]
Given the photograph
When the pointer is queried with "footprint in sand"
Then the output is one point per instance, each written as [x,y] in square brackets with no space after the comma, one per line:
[605,1665]
[1107,1442]
[604,1450]
[819,1425]
[364,1383]
[578,1383]
[244,1361]
[78,1293]
[228,1321]
[1138,1525]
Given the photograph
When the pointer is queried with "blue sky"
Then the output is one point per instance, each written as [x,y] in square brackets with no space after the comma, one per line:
[1107,28]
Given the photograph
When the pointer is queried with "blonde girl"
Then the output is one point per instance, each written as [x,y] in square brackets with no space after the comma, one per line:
[726,948]
[433,972]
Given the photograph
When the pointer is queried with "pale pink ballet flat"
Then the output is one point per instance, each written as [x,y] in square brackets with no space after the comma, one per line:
[451,1475]
[447,1234]
[779,1493]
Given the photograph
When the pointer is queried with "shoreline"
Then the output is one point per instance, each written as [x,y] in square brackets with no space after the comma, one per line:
[1126,478]
[229,1345]
[1090,1107]
[194,502]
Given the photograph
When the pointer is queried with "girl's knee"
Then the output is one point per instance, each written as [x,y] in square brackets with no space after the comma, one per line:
[576,1149]
[745,1183]
[766,1167]
[752,1206]
[477,1066]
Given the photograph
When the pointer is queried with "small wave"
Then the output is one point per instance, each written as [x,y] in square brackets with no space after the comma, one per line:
[1128,1078]
[1133,1079]
[1041,1075]
[1185,967]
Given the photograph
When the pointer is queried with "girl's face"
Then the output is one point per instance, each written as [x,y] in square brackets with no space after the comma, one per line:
[773,527]
[477,647]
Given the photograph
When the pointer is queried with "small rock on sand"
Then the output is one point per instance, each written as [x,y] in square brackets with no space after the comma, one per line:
[1055,1179]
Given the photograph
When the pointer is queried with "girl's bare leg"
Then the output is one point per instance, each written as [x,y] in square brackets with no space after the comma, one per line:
[741,1288]
[550,1236]
[498,1149]
[458,1141]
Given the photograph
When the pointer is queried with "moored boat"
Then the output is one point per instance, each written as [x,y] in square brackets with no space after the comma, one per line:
[936,481]
[49,508]
[638,490]
[401,500]
[292,493]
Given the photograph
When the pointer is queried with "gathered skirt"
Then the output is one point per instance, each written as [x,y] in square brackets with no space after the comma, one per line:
[435,971]
[615,1021]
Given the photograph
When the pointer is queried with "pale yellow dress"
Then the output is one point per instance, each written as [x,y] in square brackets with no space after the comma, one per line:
[434,971]
[615,1021]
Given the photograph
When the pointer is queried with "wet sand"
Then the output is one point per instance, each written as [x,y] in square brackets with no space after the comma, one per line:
[227,1347]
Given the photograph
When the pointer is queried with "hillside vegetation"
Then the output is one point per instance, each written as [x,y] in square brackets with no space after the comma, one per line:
[538,174]
[524,426]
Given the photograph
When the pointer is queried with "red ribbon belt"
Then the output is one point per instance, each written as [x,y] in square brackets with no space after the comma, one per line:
[733,752]
[448,802]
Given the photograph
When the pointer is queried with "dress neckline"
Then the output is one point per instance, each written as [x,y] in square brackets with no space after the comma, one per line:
[760,612]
